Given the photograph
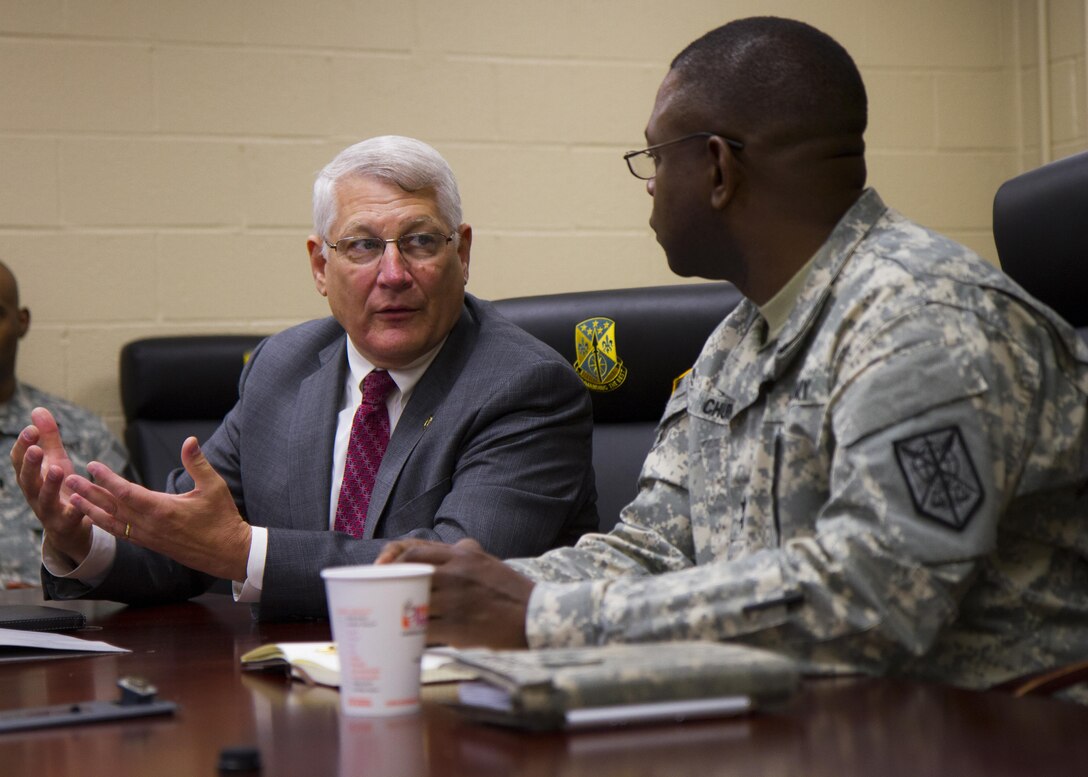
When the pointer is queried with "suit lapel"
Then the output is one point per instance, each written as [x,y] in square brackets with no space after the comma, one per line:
[420,413]
[313,428]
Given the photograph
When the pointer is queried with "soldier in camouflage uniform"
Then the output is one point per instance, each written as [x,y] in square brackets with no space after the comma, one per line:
[877,462]
[87,437]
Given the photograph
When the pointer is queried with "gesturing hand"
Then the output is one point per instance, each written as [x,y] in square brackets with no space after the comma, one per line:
[41,465]
[201,529]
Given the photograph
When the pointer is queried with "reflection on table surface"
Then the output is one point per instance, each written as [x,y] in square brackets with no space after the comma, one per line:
[191,652]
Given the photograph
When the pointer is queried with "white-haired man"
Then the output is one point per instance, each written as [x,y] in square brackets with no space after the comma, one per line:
[301,475]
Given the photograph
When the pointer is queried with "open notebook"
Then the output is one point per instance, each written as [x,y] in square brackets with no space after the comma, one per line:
[318,663]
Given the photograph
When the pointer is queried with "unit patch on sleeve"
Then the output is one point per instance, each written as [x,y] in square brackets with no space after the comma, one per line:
[940,475]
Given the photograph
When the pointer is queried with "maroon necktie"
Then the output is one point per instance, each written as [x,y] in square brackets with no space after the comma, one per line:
[369,436]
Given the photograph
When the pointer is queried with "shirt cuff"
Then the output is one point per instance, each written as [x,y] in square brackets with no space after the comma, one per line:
[249,590]
[95,566]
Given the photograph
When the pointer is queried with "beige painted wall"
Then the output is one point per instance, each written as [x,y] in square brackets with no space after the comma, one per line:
[157,156]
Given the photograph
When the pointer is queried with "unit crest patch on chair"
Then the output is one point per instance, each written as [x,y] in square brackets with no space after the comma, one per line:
[597,360]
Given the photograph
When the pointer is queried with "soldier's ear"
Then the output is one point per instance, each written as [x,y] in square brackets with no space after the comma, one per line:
[22,322]
[727,173]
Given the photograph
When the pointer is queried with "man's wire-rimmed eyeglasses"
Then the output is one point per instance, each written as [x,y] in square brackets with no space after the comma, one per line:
[643,164]
[415,247]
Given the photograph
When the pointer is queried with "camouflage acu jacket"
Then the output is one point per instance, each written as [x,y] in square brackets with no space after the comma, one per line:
[86,438]
[894,485]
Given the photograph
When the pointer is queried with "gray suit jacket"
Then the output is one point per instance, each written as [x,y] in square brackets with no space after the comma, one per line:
[494,443]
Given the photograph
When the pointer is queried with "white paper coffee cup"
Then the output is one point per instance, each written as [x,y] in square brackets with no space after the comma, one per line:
[379,624]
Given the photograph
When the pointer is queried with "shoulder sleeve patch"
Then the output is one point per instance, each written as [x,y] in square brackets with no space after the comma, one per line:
[940,475]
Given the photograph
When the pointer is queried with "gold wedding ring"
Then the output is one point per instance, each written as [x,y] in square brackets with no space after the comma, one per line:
[128,530]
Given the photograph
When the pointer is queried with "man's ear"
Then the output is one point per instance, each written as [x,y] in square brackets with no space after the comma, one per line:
[22,322]
[464,248]
[727,172]
[318,261]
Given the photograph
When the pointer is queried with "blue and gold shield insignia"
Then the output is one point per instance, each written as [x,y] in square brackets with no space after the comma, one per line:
[597,361]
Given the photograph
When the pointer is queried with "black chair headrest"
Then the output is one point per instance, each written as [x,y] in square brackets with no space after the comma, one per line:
[183,377]
[658,333]
[1042,237]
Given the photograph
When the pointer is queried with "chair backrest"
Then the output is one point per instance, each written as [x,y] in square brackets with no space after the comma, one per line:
[173,388]
[1042,241]
[649,336]
[1042,237]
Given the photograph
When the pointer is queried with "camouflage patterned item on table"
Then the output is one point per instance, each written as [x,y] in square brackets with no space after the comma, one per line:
[542,688]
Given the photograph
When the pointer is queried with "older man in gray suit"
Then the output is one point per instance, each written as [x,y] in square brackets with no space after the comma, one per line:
[488,431]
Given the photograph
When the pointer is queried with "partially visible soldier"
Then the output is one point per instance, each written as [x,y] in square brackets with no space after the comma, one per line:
[85,434]
[878,461]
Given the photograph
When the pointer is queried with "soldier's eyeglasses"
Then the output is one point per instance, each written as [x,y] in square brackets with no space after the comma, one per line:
[643,164]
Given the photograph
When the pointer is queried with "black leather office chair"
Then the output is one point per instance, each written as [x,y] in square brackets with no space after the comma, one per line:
[656,333]
[1042,241]
[174,387]
[1042,237]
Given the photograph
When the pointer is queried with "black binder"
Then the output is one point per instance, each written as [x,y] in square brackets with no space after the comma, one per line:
[39,617]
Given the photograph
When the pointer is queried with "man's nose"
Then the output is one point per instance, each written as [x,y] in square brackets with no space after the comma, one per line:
[392,266]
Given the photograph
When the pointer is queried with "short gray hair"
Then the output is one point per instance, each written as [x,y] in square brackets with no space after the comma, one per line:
[409,163]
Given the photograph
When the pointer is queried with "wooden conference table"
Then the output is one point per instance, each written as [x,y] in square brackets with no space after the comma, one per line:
[191,653]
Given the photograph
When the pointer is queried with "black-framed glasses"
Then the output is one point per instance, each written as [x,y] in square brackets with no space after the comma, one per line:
[418,247]
[643,164]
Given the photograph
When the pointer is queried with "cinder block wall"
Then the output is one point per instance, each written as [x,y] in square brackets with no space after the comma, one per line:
[157,156]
